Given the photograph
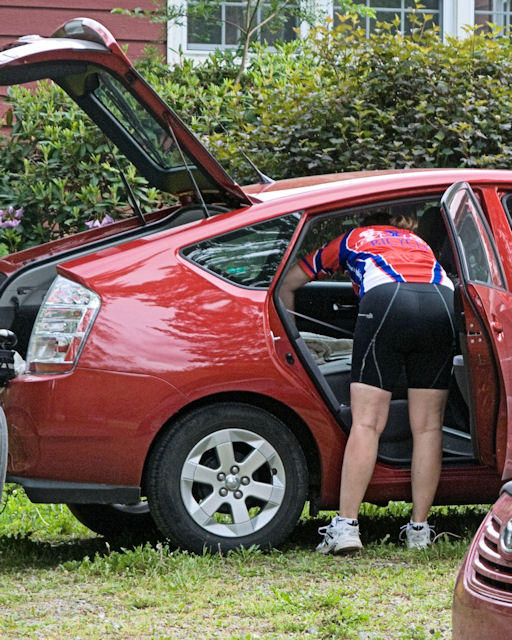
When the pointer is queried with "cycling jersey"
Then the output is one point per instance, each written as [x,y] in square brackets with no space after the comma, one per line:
[377,255]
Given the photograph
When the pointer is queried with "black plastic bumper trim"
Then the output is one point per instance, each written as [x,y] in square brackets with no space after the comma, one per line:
[55,491]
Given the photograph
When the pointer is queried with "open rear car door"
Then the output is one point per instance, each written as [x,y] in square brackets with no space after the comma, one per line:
[485,304]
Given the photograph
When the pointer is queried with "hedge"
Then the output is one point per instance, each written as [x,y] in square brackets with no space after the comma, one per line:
[335,101]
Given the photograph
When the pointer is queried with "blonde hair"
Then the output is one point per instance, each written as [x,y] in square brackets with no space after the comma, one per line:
[407,221]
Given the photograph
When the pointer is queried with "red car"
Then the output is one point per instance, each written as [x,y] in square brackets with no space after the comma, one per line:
[166,385]
[482,604]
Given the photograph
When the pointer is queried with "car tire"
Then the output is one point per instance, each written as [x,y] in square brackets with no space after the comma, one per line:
[114,521]
[226,476]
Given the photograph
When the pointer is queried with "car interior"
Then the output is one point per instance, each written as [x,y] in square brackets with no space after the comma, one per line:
[325,315]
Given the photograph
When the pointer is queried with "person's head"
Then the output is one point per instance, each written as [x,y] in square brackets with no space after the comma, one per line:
[401,219]
[407,221]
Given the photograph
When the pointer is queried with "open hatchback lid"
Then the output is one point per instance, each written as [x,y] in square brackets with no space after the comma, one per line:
[86,61]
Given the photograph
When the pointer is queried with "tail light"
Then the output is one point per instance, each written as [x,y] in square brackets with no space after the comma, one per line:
[61,328]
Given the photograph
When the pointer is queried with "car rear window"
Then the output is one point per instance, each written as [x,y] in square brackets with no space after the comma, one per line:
[249,256]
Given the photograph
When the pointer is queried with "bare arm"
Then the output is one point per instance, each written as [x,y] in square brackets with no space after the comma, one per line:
[293,280]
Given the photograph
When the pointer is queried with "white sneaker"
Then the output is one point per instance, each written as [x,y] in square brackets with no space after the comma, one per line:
[340,535]
[418,535]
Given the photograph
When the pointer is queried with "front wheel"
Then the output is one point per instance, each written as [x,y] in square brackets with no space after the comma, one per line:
[225,476]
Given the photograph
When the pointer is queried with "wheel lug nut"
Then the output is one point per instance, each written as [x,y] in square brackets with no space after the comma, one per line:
[221,477]
[245,480]
[238,494]
[234,469]
[223,492]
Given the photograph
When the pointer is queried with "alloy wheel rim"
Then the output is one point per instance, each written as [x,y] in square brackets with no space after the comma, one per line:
[232,483]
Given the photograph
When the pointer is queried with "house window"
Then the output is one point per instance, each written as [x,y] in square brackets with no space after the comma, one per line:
[388,10]
[221,29]
[495,11]
[197,37]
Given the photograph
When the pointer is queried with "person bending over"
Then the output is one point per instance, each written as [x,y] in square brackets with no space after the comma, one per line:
[405,320]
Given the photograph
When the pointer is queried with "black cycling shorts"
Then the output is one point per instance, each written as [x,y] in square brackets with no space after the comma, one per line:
[404,325]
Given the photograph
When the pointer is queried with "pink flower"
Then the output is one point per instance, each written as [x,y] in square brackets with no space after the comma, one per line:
[93,224]
[10,218]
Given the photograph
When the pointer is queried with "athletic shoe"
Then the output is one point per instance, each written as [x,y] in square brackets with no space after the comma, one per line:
[340,535]
[418,535]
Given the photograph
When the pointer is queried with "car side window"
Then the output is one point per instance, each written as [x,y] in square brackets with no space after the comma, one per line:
[249,256]
[479,259]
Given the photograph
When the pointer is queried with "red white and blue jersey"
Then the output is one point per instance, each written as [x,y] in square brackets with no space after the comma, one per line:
[377,255]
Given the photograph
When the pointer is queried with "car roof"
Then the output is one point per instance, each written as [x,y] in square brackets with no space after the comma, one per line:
[358,183]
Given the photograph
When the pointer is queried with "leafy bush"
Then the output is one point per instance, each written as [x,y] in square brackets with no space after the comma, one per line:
[335,101]
[338,101]
[58,168]
[346,103]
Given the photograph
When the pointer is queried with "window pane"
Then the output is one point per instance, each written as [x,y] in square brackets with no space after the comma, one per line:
[235,16]
[428,5]
[384,16]
[496,11]
[384,4]
[479,260]
[201,30]
[483,5]
[408,25]
[138,122]
[283,29]
[482,20]
[222,27]
[249,256]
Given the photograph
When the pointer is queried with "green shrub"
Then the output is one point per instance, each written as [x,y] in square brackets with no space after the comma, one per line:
[344,103]
[335,101]
[58,167]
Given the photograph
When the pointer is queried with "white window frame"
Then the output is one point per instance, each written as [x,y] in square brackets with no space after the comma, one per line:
[500,9]
[456,15]
[177,45]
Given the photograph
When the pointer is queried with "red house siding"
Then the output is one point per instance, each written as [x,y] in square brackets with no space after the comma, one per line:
[22,17]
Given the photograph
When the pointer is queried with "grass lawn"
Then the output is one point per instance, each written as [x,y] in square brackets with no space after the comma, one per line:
[59,581]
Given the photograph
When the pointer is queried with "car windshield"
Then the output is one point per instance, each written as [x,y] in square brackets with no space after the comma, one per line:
[138,122]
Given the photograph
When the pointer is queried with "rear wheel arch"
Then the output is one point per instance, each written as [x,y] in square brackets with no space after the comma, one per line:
[277,409]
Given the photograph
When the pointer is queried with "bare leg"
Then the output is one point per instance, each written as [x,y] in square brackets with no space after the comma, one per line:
[426,411]
[370,408]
